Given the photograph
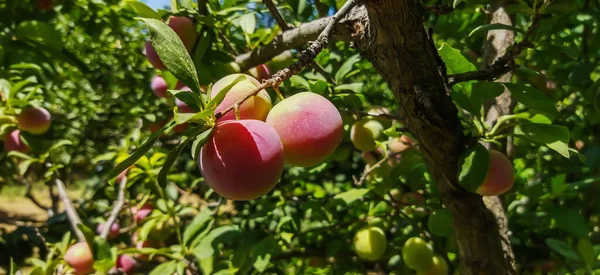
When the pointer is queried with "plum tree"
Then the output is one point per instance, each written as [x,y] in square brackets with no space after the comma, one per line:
[256,107]
[159,86]
[243,159]
[126,264]
[153,57]
[500,176]
[364,134]
[439,267]
[185,29]
[401,144]
[13,142]
[370,243]
[113,233]
[35,120]
[310,128]
[417,254]
[80,258]
[260,72]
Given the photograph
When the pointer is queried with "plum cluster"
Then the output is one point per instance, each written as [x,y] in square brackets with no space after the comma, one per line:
[34,120]
[244,158]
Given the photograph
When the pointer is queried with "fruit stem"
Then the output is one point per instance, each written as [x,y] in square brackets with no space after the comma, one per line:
[276,88]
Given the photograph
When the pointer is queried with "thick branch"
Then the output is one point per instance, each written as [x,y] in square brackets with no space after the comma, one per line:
[70,209]
[116,208]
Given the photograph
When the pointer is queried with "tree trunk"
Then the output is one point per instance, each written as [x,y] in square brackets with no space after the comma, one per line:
[393,38]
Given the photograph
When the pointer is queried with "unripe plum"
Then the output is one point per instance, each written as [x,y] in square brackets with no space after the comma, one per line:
[159,86]
[13,142]
[112,233]
[153,57]
[185,29]
[364,133]
[125,263]
[417,254]
[500,176]
[80,258]
[370,243]
[243,159]
[256,107]
[439,267]
[399,145]
[35,120]
[260,72]
[281,61]
[310,128]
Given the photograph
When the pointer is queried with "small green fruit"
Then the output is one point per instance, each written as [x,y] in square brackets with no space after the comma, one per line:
[417,254]
[370,243]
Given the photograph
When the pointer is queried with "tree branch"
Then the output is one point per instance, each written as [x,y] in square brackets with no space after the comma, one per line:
[504,64]
[116,208]
[305,58]
[70,209]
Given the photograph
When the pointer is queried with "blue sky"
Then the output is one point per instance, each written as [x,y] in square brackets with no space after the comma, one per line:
[157,3]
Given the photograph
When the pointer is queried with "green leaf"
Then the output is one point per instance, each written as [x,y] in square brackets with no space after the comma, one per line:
[533,117]
[248,23]
[139,152]
[586,251]
[473,165]
[482,91]
[12,267]
[563,248]
[102,249]
[352,195]
[23,166]
[554,136]
[165,268]
[60,143]
[88,234]
[570,52]
[570,221]
[319,87]
[41,33]
[171,158]
[142,10]
[206,265]
[173,53]
[489,27]
[215,101]
[455,61]
[196,225]
[298,81]
[205,247]
[533,99]
[200,140]
[557,184]
[190,99]
[262,252]
[355,87]
[346,68]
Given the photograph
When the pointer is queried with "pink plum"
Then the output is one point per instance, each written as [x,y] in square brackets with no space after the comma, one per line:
[153,57]
[159,86]
[13,142]
[310,128]
[185,29]
[260,72]
[256,107]
[500,176]
[243,159]
[113,233]
[80,258]
[142,212]
[35,120]
[125,263]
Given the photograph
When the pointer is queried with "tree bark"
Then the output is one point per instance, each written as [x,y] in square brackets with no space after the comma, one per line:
[393,38]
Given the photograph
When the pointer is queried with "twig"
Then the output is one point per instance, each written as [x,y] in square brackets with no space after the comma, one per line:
[285,27]
[30,196]
[504,64]
[370,170]
[70,209]
[116,209]
[305,58]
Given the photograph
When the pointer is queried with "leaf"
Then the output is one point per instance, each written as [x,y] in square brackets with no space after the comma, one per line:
[557,184]
[570,221]
[563,248]
[533,117]
[173,53]
[23,166]
[139,152]
[200,140]
[59,144]
[215,101]
[455,61]
[165,268]
[554,136]
[490,27]
[473,165]
[248,23]
[205,247]
[484,90]
[346,68]
[298,81]
[570,52]
[190,99]
[355,87]
[41,33]
[102,249]
[142,10]
[319,87]
[586,251]
[197,223]
[262,252]
[206,265]
[171,158]
[352,195]
[87,233]
[533,99]
[12,267]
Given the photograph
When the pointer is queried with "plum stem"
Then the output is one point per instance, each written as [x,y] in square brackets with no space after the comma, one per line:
[116,208]
[276,88]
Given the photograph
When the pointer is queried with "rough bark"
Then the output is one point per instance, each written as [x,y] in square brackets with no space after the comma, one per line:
[393,38]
